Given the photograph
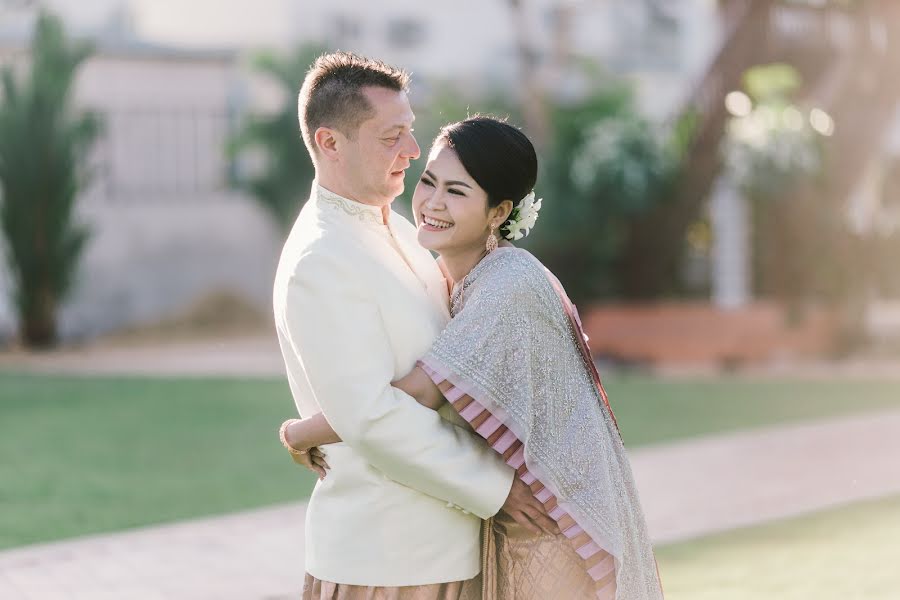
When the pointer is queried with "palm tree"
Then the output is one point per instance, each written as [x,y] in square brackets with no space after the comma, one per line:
[283,182]
[44,145]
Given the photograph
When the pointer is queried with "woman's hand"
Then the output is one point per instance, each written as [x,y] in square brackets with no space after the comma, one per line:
[314,460]
[302,438]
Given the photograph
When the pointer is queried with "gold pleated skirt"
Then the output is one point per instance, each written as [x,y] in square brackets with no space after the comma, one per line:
[519,565]
[516,565]
[315,589]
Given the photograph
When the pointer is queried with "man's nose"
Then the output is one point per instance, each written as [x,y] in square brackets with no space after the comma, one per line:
[412,150]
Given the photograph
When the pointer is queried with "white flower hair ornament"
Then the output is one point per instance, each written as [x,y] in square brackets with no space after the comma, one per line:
[523,217]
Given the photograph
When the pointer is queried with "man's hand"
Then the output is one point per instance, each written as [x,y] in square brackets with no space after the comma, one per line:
[314,460]
[527,511]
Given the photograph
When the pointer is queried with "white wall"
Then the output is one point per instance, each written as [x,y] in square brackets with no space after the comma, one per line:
[166,230]
[150,259]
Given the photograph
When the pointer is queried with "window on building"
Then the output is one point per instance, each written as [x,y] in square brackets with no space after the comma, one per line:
[406,33]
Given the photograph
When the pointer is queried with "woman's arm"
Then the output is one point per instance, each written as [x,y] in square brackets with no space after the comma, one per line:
[420,386]
[312,431]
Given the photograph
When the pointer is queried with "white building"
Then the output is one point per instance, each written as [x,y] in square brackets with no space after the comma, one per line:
[166,228]
[662,44]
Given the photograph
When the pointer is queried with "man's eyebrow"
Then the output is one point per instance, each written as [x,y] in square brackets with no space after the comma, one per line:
[452,182]
[399,126]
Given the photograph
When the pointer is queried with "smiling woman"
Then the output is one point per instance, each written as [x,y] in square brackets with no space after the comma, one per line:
[477,170]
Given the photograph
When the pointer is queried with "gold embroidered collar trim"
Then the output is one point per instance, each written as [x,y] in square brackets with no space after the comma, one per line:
[363,212]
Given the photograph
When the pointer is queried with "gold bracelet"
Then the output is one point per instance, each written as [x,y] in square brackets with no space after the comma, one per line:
[281,436]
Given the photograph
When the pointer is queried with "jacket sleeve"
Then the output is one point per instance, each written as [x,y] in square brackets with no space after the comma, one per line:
[339,337]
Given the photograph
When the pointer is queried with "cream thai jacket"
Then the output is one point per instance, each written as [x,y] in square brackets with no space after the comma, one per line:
[357,302]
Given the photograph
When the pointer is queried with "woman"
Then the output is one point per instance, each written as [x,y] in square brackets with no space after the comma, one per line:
[514,362]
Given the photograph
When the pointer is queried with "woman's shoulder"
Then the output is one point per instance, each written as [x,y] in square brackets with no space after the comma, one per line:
[516,270]
[518,259]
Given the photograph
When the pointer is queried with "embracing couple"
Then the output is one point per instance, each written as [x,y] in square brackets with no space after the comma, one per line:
[464,444]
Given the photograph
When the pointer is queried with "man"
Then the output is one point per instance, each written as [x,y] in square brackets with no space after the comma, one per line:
[357,302]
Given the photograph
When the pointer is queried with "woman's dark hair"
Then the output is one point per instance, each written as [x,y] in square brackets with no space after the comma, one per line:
[499,157]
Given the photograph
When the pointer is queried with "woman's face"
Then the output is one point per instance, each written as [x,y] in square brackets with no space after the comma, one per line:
[451,210]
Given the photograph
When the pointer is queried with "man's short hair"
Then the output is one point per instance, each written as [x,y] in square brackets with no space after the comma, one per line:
[332,93]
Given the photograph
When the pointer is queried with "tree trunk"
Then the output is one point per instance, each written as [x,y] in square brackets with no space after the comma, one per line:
[534,109]
[38,324]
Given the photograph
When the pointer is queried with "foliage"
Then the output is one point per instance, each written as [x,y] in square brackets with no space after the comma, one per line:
[606,167]
[772,82]
[282,182]
[776,143]
[44,144]
[775,153]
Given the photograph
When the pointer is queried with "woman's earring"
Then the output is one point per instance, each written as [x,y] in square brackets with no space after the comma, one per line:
[491,244]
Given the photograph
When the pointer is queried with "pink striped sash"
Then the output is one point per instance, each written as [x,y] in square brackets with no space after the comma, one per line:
[599,564]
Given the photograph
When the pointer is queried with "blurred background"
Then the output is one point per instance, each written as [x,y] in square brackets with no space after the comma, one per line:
[721,184]
[734,163]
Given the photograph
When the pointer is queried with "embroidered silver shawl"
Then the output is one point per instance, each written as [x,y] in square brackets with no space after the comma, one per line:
[512,342]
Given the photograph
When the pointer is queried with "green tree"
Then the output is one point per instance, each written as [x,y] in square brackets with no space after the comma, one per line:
[606,167]
[44,145]
[282,183]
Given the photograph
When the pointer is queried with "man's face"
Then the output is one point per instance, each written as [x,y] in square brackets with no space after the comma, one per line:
[375,161]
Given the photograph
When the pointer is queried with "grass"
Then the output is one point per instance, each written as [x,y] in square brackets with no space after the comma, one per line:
[848,553]
[657,410]
[86,455]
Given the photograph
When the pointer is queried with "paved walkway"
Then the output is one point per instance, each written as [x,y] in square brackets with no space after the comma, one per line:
[688,488]
[259,356]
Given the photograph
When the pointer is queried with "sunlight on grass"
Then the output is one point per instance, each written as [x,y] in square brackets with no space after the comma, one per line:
[849,553]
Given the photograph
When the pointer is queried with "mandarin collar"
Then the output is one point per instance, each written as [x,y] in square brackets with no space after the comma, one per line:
[365,213]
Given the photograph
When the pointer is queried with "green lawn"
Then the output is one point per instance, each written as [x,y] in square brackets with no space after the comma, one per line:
[89,455]
[84,455]
[849,553]
[655,410]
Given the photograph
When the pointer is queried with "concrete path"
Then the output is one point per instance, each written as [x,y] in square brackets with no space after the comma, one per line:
[259,356]
[688,489]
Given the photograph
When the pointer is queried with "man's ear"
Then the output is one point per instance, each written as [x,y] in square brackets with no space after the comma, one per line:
[327,141]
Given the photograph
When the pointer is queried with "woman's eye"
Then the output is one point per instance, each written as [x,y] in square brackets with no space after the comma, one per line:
[427,182]
[456,192]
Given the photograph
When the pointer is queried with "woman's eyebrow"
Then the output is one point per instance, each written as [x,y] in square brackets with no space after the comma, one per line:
[452,182]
